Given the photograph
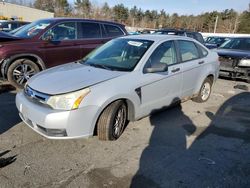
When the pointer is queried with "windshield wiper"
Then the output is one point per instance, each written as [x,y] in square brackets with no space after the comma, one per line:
[100,66]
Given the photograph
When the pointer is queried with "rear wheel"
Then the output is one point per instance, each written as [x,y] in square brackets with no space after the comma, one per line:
[112,121]
[20,71]
[204,92]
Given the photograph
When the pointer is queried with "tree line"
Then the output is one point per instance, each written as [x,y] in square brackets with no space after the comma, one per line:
[228,21]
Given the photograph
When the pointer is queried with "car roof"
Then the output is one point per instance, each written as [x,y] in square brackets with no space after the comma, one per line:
[157,37]
[82,19]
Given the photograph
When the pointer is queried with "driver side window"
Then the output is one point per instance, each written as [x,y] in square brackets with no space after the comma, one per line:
[63,31]
[165,53]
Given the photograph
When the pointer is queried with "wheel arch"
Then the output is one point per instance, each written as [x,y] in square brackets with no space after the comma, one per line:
[33,57]
[130,110]
[209,75]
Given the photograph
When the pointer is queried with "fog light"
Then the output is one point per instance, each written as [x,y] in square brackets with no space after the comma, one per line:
[53,132]
[56,132]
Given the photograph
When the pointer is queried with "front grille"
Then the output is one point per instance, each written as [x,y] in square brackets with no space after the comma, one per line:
[35,95]
[228,61]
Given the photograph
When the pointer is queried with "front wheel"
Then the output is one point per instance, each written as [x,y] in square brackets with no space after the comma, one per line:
[204,92]
[112,121]
[20,71]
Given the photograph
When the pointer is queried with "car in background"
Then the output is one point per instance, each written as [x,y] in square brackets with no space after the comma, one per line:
[181,32]
[147,31]
[234,56]
[123,80]
[215,42]
[49,42]
[15,30]
[9,25]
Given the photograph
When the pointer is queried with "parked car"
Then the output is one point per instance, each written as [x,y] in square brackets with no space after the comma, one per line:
[49,42]
[125,79]
[12,32]
[215,42]
[195,35]
[234,57]
[9,25]
[147,31]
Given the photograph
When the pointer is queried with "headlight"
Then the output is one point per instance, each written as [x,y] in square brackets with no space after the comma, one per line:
[244,63]
[69,101]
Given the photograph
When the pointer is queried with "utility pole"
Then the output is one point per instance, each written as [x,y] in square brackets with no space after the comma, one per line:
[215,24]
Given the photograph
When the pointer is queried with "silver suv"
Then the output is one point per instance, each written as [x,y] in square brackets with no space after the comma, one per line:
[123,80]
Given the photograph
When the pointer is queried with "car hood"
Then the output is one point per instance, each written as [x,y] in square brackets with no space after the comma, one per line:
[70,77]
[4,37]
[233,53]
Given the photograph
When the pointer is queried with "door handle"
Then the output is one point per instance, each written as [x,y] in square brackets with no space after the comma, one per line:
[201,62]
[176,70]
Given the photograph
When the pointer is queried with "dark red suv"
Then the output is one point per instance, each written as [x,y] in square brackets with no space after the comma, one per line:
[49,42]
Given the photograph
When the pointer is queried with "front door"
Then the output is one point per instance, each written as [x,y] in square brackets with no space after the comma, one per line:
[62,46]
[160,89]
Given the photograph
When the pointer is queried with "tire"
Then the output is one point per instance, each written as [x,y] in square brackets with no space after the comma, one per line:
[108,126]
[20,71]
[205,91]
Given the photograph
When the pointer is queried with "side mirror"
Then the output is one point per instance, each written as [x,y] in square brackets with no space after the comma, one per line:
[158,67]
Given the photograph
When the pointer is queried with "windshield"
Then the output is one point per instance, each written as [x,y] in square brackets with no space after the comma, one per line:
[32,29]
[4,25]
[118,54]
[216,40]
[237,44]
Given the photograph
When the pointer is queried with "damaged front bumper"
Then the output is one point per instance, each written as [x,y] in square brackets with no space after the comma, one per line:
[232,70]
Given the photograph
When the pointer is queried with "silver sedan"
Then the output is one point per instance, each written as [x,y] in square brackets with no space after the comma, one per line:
[123,80]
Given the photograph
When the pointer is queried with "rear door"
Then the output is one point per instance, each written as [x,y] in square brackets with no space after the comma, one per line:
[89,36]
[62,48]
[191,65]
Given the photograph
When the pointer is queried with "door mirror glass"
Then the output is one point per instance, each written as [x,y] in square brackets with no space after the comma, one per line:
[158,67]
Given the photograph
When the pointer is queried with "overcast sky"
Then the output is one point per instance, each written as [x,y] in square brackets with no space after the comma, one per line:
[181,6]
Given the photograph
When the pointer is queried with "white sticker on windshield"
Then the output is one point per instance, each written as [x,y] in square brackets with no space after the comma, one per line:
[134,43]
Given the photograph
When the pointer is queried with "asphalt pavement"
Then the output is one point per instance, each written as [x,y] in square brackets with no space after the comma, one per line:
[189,145]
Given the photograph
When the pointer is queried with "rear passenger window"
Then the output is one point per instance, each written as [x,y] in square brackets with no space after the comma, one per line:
[89,30]
[199,37]
[113,31]
[204,52]
[14,25]
[188,50]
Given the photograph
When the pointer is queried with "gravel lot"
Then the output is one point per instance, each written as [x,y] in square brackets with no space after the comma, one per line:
[190,145]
